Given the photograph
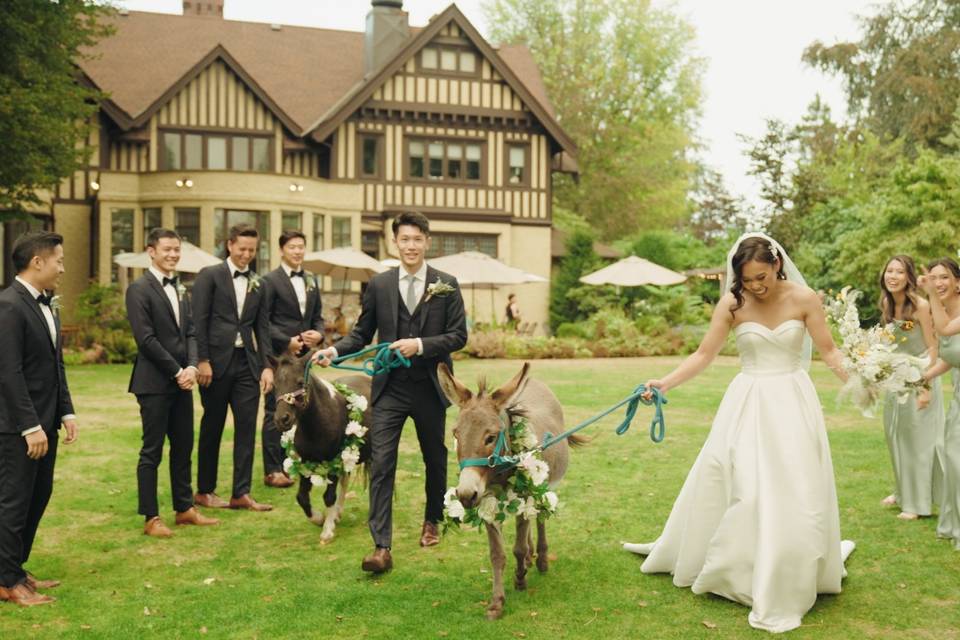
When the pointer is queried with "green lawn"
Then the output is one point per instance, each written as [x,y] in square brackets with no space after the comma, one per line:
[267,576]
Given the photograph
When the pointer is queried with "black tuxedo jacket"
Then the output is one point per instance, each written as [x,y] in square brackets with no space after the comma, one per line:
[33,383]
[217,323]
[442,323]
[283,309]
[163,348]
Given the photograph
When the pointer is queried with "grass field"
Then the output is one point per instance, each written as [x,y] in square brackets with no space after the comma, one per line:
[267,576]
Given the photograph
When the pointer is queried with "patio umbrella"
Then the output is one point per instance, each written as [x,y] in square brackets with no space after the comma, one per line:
[389,263]
[192,259]
[343,264]
[634,272]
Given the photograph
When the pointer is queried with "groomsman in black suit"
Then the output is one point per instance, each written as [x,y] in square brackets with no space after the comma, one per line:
[34,401]
[233,342]
[162,379]
[420,311]
[292,300]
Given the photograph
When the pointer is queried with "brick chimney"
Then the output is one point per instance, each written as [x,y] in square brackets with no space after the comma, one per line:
[207,8]
[388,29]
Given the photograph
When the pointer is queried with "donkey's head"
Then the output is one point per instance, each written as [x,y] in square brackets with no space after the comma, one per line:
[482,417]
[288,385]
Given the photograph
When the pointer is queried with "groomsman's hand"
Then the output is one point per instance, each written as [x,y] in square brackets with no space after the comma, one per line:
[407,347]
[312,338]
[323,357]
[36,444]
[296,344]
[187,378]
[266,381]
[204,373]
[71,427]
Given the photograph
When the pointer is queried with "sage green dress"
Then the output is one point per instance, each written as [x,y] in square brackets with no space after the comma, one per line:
[949,524]
[913,435]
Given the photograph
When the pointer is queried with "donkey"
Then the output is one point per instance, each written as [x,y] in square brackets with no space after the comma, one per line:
[477,429]
[321,415]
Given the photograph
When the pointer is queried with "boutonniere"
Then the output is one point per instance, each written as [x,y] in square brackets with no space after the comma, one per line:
[311,281]
[181,290]
[55,305]
[439,289]
[254,282]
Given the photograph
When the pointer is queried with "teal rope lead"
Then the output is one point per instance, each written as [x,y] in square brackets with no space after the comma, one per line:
[384,361]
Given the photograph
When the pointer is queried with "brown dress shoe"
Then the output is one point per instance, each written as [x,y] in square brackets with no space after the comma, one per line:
[430,535]
[210,500]
[278,479]
[38,585]
[192,516]
[24,596]
[155,527]
[247,502]
[380,561]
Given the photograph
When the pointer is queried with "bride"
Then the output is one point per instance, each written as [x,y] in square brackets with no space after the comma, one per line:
[757,520]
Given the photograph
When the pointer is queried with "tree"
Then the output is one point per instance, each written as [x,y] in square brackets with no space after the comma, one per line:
[626,87]
[716,213]
[580,260]
[44,110]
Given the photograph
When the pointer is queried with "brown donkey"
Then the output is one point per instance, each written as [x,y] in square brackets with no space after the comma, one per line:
[477,429]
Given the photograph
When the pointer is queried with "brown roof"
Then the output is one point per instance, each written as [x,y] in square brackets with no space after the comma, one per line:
[558,246]
[303,72]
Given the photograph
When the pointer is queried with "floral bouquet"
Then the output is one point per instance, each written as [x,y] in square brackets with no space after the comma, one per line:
[870,357]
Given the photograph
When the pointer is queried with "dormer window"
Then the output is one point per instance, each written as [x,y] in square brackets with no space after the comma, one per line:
[193,150]
[448,60]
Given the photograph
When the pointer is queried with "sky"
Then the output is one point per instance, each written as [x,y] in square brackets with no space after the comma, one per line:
[752,49]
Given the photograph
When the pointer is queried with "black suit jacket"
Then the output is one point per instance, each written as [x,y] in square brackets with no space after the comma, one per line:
[217,324]
[442,323]
[163,348]
[283,309]
[33,383]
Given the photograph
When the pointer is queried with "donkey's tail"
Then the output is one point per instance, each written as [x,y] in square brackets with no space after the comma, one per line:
[579,441]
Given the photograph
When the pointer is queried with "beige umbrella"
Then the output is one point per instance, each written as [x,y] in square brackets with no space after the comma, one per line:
[343,264]
[477,270]
[634,272]
[192,259]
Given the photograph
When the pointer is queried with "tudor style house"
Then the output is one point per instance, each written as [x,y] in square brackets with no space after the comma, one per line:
[211,122]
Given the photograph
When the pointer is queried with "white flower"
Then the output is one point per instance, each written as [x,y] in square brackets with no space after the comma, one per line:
[552,500]
[450,496]
[528,509]
[357,402]
[287,436]
[537,469]
[287,465]
[350,456]
[354,428]
[319,481]
[527,440]
[455,510]
[488,508]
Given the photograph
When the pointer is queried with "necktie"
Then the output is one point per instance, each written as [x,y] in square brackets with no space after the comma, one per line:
[411,298]
[172,281]
[242,274]
[44,299]
[297,274]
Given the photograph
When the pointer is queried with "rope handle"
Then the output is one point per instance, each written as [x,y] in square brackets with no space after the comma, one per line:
[385,360]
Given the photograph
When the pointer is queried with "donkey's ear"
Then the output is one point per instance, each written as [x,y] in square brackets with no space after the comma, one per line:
[502,396]
[455,391]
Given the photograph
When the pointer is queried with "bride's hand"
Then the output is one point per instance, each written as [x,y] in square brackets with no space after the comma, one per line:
[923,399]
[926,283]
[650,385]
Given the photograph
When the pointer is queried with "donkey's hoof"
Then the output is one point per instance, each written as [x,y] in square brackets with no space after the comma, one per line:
[542,564]
[495,612]
[317,519]
[520,584]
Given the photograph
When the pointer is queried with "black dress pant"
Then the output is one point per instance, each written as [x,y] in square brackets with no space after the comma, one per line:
[236,389]
[165,416]
[25,489]
[405,397]
[270,438]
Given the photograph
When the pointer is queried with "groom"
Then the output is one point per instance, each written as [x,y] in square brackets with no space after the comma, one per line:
[426,323]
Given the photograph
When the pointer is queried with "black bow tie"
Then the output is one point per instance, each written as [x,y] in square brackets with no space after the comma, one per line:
[174,280]
[44,299]
[242,274]
[297,274]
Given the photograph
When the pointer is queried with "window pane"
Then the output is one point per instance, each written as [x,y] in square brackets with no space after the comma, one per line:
[151,220]
[240,159]
[468,62]
[261,154]
[318,232]
[291,220]
[369,156]
[216,153]
[341,232]
[370,244]
[448,60]
[171,151]
[187,224]
[436,159]
[416,159]
[473,152]
[473,161]
[428,59]
[517,164]
[455,151]
[193,149]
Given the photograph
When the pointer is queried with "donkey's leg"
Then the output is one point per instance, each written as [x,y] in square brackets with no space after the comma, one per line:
[303,499]
[521,551]
[334,511]
[530,546]
[542,561]
[499,561]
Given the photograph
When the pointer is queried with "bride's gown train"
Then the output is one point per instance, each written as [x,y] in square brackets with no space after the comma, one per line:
[757,520]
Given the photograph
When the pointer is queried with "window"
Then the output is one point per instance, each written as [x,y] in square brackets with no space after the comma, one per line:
[341,232]
[187,224]
[318,232]
[261,154]
[223,219]
[171,151]
[151,220]
[517,165]
[444,244]
[454,160]
[193,151]
[121,234]
[370,156]
[449,60]
[291,220]
[370,244]
[241,153]
[216,152]
[428,59]
[468,62]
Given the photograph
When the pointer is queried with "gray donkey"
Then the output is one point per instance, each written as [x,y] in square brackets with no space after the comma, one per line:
[476,431]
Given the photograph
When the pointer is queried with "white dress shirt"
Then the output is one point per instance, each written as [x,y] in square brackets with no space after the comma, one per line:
[240,286]
[170,290]
[299,286]
[52,328]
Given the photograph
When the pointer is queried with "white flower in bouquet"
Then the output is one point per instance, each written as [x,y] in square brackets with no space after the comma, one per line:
[488,508]
[454,508]
[350,456]
[354,428]
[287,436]
[528,509]
[552,500]
[287,465]
[537,469]
[319,481]
[357,402]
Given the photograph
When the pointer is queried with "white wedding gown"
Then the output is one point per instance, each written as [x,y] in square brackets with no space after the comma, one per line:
[757,520]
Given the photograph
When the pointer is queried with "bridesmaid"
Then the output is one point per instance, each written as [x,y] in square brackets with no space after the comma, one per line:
[942,285]
[912,428]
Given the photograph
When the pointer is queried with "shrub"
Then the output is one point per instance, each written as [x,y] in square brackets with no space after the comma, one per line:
[104,334]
